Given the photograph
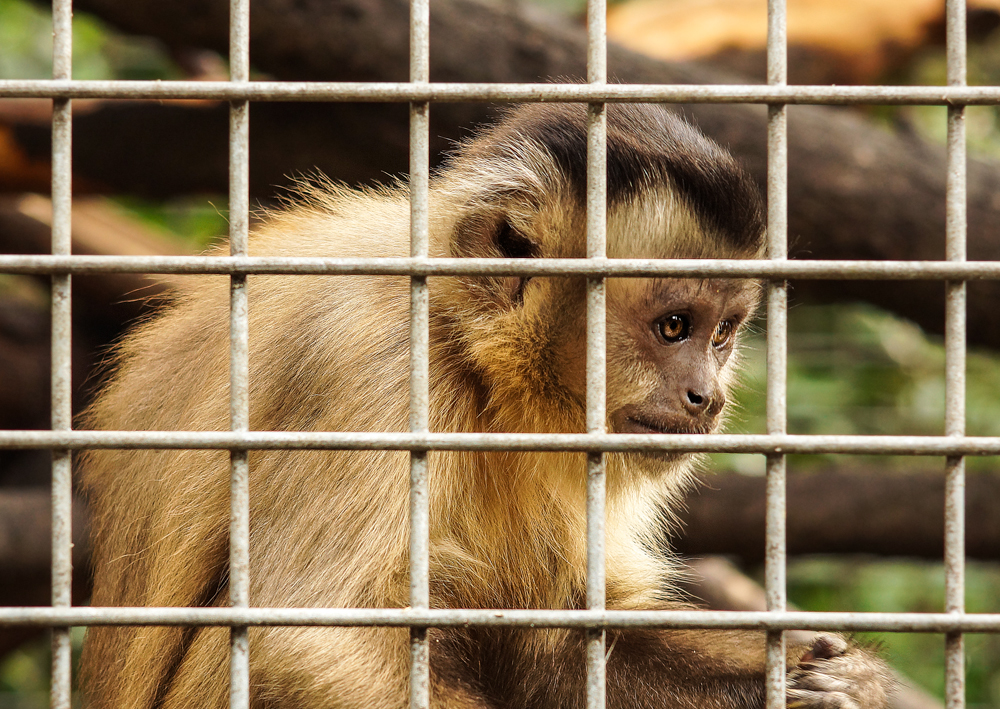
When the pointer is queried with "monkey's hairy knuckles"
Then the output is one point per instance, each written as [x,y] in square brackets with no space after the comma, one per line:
[835,674]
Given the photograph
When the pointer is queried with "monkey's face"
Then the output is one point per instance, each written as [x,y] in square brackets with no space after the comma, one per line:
[671,346]
[519,192]
[670,342]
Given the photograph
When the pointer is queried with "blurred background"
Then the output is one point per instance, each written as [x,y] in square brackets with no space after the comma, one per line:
[865,534]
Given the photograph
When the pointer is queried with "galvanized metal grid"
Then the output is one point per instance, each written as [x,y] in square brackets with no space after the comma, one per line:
[777,349]
[420,674]
[420,93]
[239,352]
[596,360]
[62,405]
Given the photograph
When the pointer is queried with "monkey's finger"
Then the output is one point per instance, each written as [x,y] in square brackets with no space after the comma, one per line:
[803,699]
[825,679]
[825,647]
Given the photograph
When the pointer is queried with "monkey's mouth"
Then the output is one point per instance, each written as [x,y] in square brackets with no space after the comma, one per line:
[658,420]
[634,424]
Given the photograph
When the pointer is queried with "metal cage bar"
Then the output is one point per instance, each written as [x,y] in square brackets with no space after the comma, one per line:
[765,444]
[955,351]
[404,92]
[777,348]
[239,353]
[61,265]
[420,683]
[596,360]
[414,266]
[449,618]
[62,355]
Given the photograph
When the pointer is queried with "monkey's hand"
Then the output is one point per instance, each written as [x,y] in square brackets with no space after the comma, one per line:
[835,674]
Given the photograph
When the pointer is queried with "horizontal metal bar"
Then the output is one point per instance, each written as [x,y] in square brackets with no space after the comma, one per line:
[582,442]
[444,92]
[626,268]
[401,617]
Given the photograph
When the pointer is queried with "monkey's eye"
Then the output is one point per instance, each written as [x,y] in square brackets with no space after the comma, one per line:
[674,328]
[723,333]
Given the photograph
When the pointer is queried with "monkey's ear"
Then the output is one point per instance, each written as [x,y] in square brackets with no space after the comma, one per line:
[496,237]
[513,244]
[491,236]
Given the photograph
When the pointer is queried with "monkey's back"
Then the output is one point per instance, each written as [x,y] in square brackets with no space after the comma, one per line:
[332,355]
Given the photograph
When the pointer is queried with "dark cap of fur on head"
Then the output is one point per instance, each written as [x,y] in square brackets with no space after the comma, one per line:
[647,146]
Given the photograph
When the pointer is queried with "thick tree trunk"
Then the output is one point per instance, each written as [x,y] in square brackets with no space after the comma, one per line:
[842,511]
[26,553]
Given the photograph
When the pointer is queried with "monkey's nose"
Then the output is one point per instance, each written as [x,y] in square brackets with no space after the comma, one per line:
[703,403]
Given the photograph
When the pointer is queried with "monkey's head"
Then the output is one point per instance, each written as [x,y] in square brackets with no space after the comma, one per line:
[518,191]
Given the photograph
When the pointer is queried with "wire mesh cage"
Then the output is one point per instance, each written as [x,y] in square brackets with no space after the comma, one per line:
[421,95]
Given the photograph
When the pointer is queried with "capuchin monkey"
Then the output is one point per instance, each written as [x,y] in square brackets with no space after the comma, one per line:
[329,528]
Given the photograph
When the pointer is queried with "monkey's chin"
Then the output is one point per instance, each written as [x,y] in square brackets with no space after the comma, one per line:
[658,465]
[660,456]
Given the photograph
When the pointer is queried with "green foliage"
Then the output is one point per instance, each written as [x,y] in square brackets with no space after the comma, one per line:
[24,678]
[930,69]
[98,52]
[25,41]
[195,222]
[854,369]
[24,673]
[857,370]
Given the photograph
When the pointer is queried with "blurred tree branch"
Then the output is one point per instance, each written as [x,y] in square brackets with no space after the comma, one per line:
[850,509]
[841,511]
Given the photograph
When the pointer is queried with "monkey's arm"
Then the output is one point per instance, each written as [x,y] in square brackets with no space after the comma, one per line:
[652,669]
[726,669]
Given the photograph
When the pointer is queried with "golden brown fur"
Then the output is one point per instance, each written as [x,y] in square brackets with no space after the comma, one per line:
[330,528]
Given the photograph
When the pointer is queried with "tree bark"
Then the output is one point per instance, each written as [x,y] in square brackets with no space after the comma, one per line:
[842,511]
[26,553]
[102,306]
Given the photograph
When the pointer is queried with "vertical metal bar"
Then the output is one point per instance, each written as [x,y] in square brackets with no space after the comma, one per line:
[419,354]
[597,131]
[62,371]
[955,325]
[777,346]
[596,386]
[597,44]
[239,357]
